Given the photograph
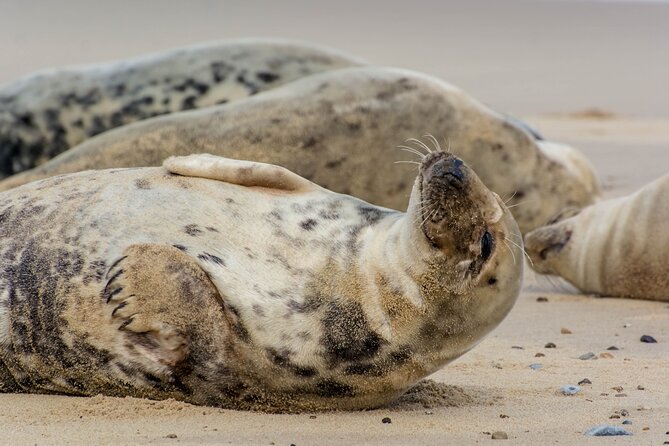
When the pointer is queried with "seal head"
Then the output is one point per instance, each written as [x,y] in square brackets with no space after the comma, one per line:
[470,247]
[548,246]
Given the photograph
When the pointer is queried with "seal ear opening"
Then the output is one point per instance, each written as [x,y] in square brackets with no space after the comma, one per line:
[239,172]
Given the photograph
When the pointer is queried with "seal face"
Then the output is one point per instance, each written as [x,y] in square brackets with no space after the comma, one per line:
[44,114]
[612,248]
[331,127]
[243,285]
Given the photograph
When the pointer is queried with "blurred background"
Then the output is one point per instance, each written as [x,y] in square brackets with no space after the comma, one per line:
[520,56]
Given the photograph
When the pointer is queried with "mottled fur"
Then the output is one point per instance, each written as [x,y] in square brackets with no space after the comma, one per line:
[332,127]
[44,114]
[143,282]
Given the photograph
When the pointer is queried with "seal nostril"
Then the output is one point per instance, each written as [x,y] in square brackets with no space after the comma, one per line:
[455,169]
[543,253]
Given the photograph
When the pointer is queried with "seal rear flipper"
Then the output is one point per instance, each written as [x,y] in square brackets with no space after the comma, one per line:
[242,173]
[150,292]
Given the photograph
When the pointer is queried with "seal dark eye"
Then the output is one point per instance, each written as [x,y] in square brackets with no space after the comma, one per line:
[486,246]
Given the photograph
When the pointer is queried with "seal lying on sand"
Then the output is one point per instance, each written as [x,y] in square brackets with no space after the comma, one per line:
[613,248]
[241,284]
[43,114]
[340,130]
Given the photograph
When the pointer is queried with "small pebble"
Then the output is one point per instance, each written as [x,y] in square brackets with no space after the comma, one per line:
[503,415]
[645,428]
[171,436]
[648,339]
[570,389]
[627,325]
[617,388]
[535,366]
[624,412]
[605,431]
[565,331]
[614,416]
[518,347]
[429,412]
[312,417]
[606,355]
[627,422]
[584,381]
[539,355]
[640,387]
[542,299]
[386,420]
[549,345]
[621,395]
[500,435]
[587,356]
[613,347]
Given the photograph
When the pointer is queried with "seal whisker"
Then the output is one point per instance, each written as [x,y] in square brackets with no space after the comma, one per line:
[420,143]
[522,202]
[406,162]
[510,250]
[519,236]
[427,205]
[511,197]
[429,217]
[412,150]
[521,248]
[437,147]
[423,210]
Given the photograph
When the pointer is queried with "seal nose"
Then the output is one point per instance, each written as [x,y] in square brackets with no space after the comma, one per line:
[450,170]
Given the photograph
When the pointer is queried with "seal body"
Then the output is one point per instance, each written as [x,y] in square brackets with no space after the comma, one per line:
[341,130]
[243,285]
[612,248]
[44,114]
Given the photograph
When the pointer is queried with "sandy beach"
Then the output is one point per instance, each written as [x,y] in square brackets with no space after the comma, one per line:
[554,63]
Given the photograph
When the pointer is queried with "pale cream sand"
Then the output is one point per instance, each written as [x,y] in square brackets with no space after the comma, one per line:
[489,389]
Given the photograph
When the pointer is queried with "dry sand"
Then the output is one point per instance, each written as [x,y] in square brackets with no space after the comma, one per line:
[489,389]
[519,56]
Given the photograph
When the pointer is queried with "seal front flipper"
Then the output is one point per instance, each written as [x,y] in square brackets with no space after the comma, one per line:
[242,173]
[150,292]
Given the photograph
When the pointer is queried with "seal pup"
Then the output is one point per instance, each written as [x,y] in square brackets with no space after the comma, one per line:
[341,129]
[613,248]
[242,285]
[43,114]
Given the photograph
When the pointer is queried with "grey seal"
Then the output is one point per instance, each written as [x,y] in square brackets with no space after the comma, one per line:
[242,285]
[612,248]
[43,114]
[341,130]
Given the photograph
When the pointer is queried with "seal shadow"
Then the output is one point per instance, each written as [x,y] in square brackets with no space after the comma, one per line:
[430,394]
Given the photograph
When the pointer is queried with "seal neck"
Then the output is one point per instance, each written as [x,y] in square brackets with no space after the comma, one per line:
[391,264]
